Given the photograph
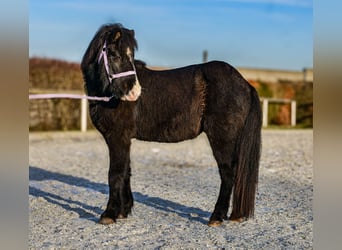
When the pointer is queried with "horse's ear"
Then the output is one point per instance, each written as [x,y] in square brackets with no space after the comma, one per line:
[117,36]
[132,32]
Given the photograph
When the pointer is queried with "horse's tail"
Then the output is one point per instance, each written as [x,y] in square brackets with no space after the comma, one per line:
[248,156]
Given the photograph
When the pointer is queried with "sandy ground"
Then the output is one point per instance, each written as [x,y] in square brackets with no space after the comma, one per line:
[175,187]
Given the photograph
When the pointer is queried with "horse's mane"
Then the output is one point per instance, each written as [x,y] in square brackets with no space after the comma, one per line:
[106,33]
[139,64]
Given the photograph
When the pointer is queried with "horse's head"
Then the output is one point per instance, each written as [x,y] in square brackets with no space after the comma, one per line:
[108,64]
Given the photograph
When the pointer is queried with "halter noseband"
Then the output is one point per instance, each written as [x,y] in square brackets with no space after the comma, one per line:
[113,76]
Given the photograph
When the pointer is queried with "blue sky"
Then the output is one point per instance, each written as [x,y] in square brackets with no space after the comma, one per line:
[245,33]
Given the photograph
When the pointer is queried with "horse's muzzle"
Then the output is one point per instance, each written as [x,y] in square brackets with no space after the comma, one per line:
[133,94]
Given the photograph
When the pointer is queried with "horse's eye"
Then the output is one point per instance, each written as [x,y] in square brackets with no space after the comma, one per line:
[113,54]
[117,58]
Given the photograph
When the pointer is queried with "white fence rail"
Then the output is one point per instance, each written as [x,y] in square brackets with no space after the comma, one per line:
[264,101]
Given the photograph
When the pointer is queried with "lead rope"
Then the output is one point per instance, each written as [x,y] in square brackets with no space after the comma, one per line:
[70,96]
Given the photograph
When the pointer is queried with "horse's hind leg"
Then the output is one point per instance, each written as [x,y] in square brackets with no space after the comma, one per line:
[222,204]
[222,141]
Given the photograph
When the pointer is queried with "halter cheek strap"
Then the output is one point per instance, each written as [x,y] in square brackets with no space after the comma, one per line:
[103,55]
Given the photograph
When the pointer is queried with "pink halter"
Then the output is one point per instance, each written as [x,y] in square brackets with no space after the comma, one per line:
[113,76]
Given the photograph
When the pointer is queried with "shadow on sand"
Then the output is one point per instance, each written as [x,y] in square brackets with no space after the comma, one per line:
[38,174]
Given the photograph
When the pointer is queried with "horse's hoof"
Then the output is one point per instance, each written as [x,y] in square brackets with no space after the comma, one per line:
[122,217]
[215,223]
[238,220]
[106,221]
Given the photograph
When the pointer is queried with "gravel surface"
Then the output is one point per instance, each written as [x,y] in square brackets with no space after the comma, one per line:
[175,187]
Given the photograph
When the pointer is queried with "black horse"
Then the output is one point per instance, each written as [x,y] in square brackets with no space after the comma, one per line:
[172,106]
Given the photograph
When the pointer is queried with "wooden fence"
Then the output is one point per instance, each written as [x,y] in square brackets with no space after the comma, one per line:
[265,107]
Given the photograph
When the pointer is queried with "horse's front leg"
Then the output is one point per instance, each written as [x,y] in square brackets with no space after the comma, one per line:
[120,200]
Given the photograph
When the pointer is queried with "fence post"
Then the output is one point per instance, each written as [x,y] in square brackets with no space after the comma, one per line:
[293,113]
[264,112]
[84,112]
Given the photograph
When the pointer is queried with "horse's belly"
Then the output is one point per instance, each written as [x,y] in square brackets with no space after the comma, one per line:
[169,131]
